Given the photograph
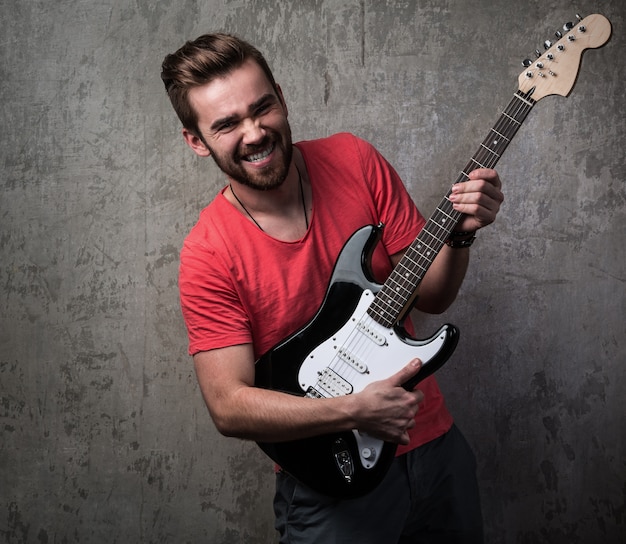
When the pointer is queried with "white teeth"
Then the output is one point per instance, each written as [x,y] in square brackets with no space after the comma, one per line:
[259,156]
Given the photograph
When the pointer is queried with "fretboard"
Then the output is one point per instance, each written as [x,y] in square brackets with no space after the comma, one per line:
[398,292]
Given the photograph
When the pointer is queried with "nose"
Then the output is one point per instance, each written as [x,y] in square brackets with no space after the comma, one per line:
[253,131]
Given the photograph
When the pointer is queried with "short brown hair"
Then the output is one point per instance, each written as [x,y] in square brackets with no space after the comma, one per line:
[199,62]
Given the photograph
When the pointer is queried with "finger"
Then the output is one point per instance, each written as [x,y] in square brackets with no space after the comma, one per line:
[482,205]
[406,373]
[419,395]
[476,216]
[487,174]
[474,189]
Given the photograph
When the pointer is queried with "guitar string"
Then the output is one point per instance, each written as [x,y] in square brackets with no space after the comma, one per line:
[507,129]
[506,126]
[356,344]
[487,155]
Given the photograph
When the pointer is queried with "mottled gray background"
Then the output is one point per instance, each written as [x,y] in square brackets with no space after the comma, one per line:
[104,436]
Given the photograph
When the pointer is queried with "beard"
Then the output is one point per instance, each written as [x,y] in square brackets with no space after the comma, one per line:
[264,179]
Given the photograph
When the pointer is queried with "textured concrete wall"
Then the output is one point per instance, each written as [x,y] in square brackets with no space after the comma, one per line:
[104,437]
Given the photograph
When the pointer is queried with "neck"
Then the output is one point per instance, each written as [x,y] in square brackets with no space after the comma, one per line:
[282,212]
[268,201]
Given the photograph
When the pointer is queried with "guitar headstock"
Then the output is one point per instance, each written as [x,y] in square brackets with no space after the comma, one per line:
[555,71]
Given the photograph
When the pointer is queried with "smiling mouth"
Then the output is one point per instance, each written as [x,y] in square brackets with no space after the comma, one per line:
[256,157]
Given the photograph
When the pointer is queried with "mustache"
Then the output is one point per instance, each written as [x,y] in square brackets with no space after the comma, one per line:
[256,148]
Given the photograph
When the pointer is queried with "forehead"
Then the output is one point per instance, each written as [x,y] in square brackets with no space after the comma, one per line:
[230,94]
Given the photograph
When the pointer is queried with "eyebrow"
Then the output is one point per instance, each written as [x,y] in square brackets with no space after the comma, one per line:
[268,97]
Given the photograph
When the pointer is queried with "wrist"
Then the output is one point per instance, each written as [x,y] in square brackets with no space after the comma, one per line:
[461,239]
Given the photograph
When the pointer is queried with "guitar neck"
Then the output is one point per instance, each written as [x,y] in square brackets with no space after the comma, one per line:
[398,293]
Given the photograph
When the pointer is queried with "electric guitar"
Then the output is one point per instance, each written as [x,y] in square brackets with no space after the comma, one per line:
[357,336]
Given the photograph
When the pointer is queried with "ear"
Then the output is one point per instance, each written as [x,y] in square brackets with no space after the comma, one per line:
[194,141]
[282,99]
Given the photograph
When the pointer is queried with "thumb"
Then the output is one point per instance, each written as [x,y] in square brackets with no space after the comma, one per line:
[406,373]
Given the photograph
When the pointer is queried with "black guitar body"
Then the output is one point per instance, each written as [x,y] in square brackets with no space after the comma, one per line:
[330,464]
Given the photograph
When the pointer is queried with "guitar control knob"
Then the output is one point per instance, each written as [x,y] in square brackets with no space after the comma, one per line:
[368,453]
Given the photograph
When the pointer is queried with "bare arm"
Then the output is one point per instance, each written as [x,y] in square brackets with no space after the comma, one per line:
[479,200]
[226,376]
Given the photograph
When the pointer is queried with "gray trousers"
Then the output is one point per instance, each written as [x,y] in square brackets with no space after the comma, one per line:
[430,495]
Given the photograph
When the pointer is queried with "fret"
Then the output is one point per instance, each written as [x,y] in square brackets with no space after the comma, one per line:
[448,216]
[404,270]
[523,99]
[500,135]
[382,313]
[388,307]
[418,264]
[442,215]
[398,287]
[511,118]
[490,151]
[391,302]
[429,248]
[479,164]
[436,235]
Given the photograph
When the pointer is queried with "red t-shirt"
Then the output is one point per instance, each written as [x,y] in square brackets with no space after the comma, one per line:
[238,285]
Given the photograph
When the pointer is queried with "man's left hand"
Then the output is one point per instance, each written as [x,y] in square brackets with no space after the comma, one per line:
[478,198]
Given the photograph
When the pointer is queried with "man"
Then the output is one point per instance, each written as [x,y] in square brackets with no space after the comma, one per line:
[255,269]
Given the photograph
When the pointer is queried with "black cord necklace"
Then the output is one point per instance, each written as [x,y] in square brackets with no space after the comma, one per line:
[306,218]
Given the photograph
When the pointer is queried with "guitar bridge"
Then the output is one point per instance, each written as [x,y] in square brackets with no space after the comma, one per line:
[313,393]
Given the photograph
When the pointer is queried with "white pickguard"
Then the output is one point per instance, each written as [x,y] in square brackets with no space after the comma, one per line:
[361,352]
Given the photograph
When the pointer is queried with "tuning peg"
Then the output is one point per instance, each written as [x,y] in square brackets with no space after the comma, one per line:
[547,44]
[527,62]
[579,17]
[568,26]
[537,53]
[558,34]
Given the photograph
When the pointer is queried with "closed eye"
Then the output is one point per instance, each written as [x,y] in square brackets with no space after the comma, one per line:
[257,109]
[225,124]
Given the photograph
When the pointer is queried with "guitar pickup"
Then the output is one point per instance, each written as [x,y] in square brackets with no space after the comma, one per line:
[353,361]
[370,332]
[333,383]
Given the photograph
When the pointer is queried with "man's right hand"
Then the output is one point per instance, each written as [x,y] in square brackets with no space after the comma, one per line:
[386,410]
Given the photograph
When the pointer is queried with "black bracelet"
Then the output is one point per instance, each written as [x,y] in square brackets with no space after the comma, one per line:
[462,233]
[459,244]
